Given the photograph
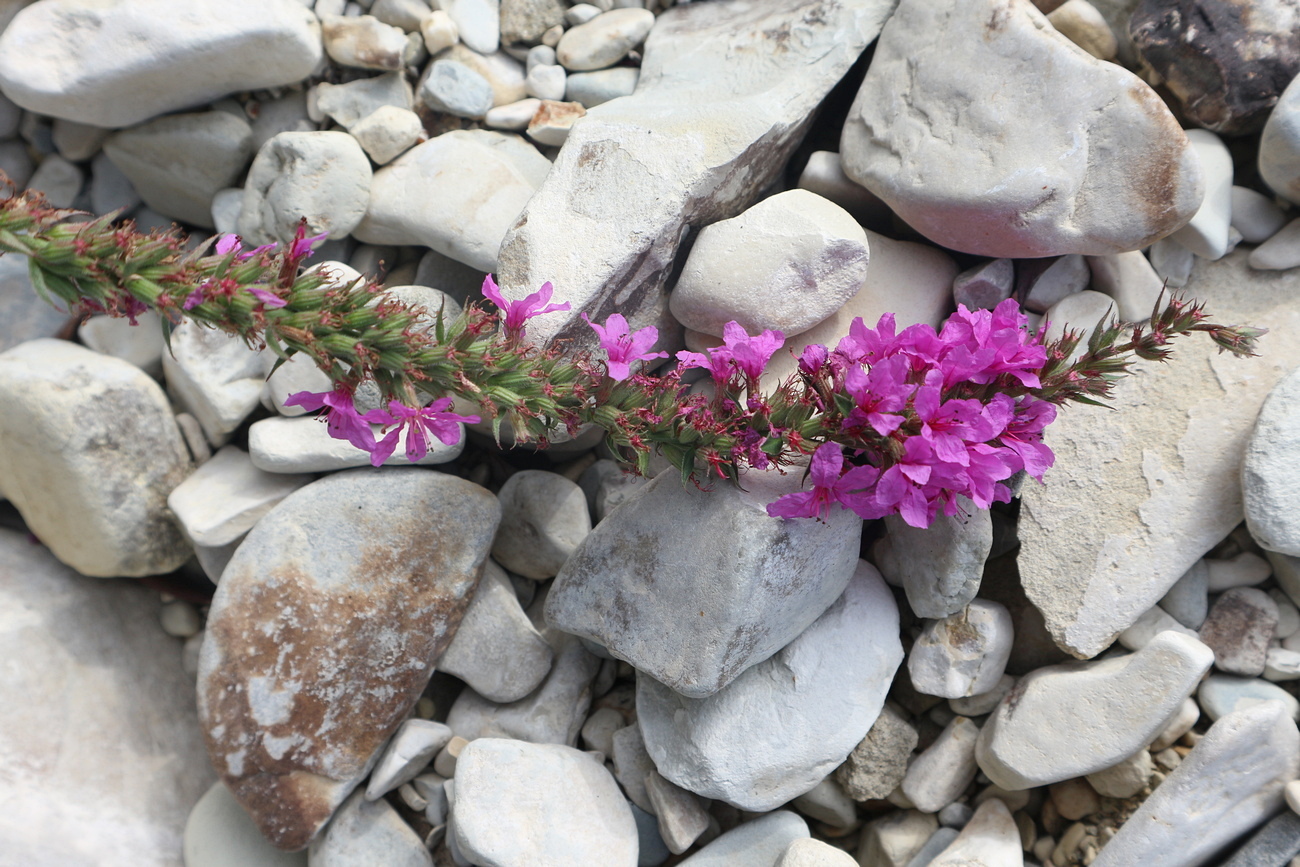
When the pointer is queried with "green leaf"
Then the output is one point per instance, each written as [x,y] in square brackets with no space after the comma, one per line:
[167,334]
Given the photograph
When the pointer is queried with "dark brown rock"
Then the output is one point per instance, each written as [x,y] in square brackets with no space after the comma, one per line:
[1227,61]
[1240,626]
[325,630]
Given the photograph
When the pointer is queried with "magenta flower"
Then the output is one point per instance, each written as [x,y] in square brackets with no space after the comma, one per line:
[740,353]
[831,486]
[198,296]
[227,244]
[623,348]
[519,312]
[418,422]
[344,422]
[268,298]
[133,307]
[879,394]
[301,247]
[812,358]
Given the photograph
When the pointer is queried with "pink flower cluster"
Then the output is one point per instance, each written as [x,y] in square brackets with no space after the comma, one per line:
[918,398]
[345,423]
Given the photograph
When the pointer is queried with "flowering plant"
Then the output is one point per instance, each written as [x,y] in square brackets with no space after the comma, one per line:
[888,422]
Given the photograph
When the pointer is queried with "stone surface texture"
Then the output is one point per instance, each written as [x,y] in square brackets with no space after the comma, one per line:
[1270,474]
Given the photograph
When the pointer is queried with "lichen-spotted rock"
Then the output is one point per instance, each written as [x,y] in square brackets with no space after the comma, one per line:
[325,630]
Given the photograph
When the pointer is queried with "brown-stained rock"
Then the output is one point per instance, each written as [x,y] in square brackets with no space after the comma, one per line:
[1227,61]
[1239,628]
[324,632]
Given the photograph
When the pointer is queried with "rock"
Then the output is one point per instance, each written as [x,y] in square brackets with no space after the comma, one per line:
[939,775]
[1255,215]
[544,519]
[1080,312]
[1067,721]
[758,841]
[16,162]
[178,163]
[877,764]
[24,315]
[219,833]
[66,58]
[632,765]
[227,496]
[598,730]
[716,67]
[365,42]
[984,286]
[107,714]
[496,650]
[540,804]
[286,114]
[594,88]
[551,124]
[978,705]
[824,175]
[1126,779]
[1207,233]
[1081,23]
[477,21]
[955,815]
[1229,783]
[760,591]
[1092,560]
[1268,474]
[303,445]
[406,14]
[406,755]
[77,142]
[786,264]
[546,82]
[1074,799]
[928,166]
[1280,252]
[940,566]
[1222,694]
[323,176]
[454,88]
[896,838]
[1281,664]
[1246,569]
[366,832]
[58,180]
[1178,725]
[963,654]
[504,74]
[828,802]
[604,40]
[1274,843]
[214,377]
[515,116]
[581,13]
[1148,626]
[1188,600]
[990,839]
[1172,262]
[807,852]
[141,344]
[783,725]
[352,101]
[1279,146]
[297,685]
[1238,630]
[1225,61]
[1288,615]
[681,818]
[388,132]
[88,454]
[526,20]
[428,196]
[1043,283]
[439,32]
[1130,280]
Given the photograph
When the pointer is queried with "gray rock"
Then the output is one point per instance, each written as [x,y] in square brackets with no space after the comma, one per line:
[990,839]
[1148,626]
[681,817]
[24,315]
[544,520]
[1125,779]
[1206,234]
[807,852]
[546,82]
[540,804]
[88,454]
[1043,283]
[1280,252]
[304,445]
[598,730]
[1279,146]
[107,714]
[651,849]
[756,594]
[594,88]
[505,74]
[1172,262]
[894,839]
[350,102]
[526,20]
[1229,783]
[1092,560]
[406,14]
[297,685]
[66,58]
[963,654]
[604,40]
[1130,280]
[286,114]
[780,727]
[1274,843]
[1255,215]
[16,162]
[366,832]
[462,214]
[219,833]
[938,776]
[1239,628]
[758,841]
[1188,600]
[1246,569]
[226,496]
[712,69]
[388,132]
[407,754]
[323,176]
[58,180]
[365,42]
[930,164]
[940,567]
[77,142]
[477,21]
[454,88]
[877,764]
[632,764]
[828,802]
[985,286]
[214,377]
[1269,475]
[1222,694]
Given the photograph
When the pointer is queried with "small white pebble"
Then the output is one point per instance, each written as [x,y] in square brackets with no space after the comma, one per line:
[180,619]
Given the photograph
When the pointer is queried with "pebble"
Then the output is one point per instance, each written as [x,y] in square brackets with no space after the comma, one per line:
[604,40]
[780,727]
[365,42]
[984,702]
[406,14]
[828,802]
[551,124]
[785,264]
[1221,694]
[539,55]
[1274,843]
[77,142]
[368,832]
[986,285]
[348,103]
[1206,234]
[1288,615]
[223,499]
[1124,780]
[651,850]
[598,730]
[1172,262]
[387,133]
[324,176]
[226,205]
[940,567]
[439,32]
[807,852]
[1244,570]
[939,775]
[274,116]
[1130,280]
[17,164]
[681,818]
[219,833]
[1153,622]
[406,755]
[1075,798]
[546,82]
[600,86]
[1081,23]
[524,21]
[1228,784]
[901,142]
[59,180]
[1279,146]
[1280,252]
[580,13]
[1067,721]
[504,73]
[66,58]
[759,841]
[1188,600]
[756,596]
[545,805]
[990,839]
[141,345]
[453,87]
[1281,664]
[514,116]
[876,766]
[1044,282]
[1255,215]
[896,838]
[444,764]
[632,764]
[1269,473]
[963,654]
[1239,628]
[544,520]
[180,619]
[215,377]
[98,499]
[477,21]
[496,649]
[955,815]
[295,702]
[462,214]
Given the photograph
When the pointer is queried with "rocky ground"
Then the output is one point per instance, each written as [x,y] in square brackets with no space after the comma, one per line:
[521,659]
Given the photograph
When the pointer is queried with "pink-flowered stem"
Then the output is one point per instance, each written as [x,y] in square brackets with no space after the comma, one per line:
[519,312]
[344,422]
[418,423]
[622,348]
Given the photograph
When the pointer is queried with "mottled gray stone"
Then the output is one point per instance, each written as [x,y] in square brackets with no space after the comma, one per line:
[940,566]
[877,764]
[1239,628]
[544,519]
[323,176]
[963,654]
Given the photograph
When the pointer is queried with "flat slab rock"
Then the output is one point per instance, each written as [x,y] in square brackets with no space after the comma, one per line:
[1142,489]
[325,629]
[726,91]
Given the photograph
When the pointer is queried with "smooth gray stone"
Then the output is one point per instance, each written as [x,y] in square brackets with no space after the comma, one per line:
[985,286]
[939,840]
[1275,843]
[1270,479]
[651,849]
[544,519]
[593,88]
[756,843]
[940,566]
[407,754]
[364,833]
[1221,694]
[456,89]
[225,497]
[1188,601]
[215,377]
[219,833]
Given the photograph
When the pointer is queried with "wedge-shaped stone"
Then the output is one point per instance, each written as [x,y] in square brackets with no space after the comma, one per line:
[730,584]
[324,632]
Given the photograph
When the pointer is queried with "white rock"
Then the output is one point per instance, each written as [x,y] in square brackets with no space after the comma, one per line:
[477,21]
[1244,570]
[758,841]
[219,833]
[1281,664]
[1255,215]
[1222,694]
[963,654]
[1270,474]
[66,58]
[894,839]
[1081,23]
[990,839]
[365,42]
[783,725]
[452,87]
[539,55]
[1177,725]
[180,619]
[598,730]
[540,804]
[141,345]
[604,40]
[226,205]
[1150,624]
[1130,280]
[1188,600]
[366,832]
[406,14]
[297,374]
[77,141]
[786,264]
[439,31]
[286,114]
[544,520]
[600,86]
[458,193]
[632,765]
[984,702]
[1172,262]
[807,852]
[938,776]
[931,165]
[681,818]
[226,496]
[406,754]
[514,116]
[88,454]
[59,180]
[303,445]
[323,176]
[1229,783]
[553,121]
[939,566]
[1126,779]
[1280,252]
[215,377]
[580,13]
[1288,615]
[1279,146]
[1207,233]
[1066,721]
[546,82]
[828,802]
[350,102]
[387,133]
[1044,282]
[504,74]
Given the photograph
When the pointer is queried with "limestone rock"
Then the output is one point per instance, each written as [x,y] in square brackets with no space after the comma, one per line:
[1270,475]
[758,841]
[1279,146]
[323,176]
[24,315]
[939,566]
[219,833]
[366,832]
[604,40]
[990,839]
[365,42]
[877,764]
[215,377]
[963,654]
[304,445]
[226,496]
[544,519]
